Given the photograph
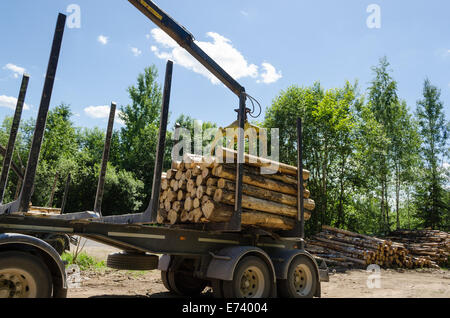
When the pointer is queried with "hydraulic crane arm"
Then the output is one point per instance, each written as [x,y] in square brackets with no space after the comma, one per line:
[186,40]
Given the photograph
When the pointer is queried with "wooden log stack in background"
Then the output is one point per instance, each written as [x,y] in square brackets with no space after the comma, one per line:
[352,250]
[201,191]
[431,243]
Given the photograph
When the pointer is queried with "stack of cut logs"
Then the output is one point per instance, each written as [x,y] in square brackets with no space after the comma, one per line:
[430,243]
[346,249]
[198,190]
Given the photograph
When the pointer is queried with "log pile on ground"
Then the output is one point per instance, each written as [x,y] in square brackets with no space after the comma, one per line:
[200,191]
[429,243]
[340,248]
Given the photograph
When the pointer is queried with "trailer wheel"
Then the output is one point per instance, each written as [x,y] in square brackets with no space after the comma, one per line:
[251,279]
[23,275]
[184,284]
[301,281]
[165,280]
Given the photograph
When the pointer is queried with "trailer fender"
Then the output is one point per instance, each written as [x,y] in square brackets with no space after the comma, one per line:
[282,259]
[223,263]
[20,242]
[164,263]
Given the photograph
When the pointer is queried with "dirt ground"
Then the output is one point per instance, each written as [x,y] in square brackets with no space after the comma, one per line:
[422,283]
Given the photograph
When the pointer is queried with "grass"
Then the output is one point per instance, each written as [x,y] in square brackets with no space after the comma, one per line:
[83,260]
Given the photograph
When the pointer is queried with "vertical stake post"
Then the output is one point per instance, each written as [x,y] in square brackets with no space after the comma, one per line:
[33,159]
[12,136]
[152,210]
[66,193]
[236,219]
[300,191]
[105,158]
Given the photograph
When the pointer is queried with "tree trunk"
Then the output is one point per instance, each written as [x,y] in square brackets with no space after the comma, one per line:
[252,203]
[217,212]
[261,193]
[256,180]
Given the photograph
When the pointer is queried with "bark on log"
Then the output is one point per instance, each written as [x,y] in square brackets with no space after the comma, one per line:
[252,203]
[261,193]
[256,180]
[275,176]
[216,212]
[262,162]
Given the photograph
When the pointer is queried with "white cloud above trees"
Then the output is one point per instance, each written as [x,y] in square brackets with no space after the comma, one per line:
[218,48]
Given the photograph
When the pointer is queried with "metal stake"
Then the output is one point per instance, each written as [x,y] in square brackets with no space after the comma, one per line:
[12,136]
[30,173]
[236,219]
[105,158]
[66,193]
[152,210]
[301,211]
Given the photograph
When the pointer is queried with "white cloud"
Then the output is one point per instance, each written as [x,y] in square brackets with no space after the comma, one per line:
[270,74]
[11,102]
[103,39]
[162,38]
[220,49]
[244,13]
[102,112]
[17,70]
[136,51]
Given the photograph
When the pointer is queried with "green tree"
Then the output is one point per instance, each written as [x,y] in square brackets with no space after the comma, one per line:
[405,152]
[60,135]
[139,136]
[431,193]
[327,139]
[384,104]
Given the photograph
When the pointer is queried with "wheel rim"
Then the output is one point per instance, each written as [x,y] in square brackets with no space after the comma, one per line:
[17,283]
[302,280]
[252,283]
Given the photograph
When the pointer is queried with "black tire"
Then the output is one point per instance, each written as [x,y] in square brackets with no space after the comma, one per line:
[184,284]
[165,280]
[23,275]
[217,287]
[302,279]
[133,262]
[256,275]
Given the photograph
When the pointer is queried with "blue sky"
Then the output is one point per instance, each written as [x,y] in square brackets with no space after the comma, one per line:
[268,45]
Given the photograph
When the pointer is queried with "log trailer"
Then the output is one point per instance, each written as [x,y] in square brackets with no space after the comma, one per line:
[236,261]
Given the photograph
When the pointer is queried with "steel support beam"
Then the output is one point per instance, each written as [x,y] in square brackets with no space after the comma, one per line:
[152,210]
[13,135]
[33,159]
[236,219]
[105,158]
[66,193]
